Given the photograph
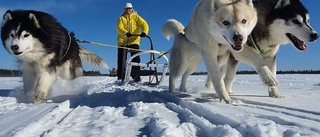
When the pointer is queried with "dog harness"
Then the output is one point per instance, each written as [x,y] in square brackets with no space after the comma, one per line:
[252,43]
[67,47]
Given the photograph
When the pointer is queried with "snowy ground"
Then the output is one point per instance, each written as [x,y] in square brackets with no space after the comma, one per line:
[100,106]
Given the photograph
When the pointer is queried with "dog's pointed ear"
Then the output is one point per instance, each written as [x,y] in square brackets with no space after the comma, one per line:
[215,4]
[248,2]
[33,18]
[282,3]
[6,17]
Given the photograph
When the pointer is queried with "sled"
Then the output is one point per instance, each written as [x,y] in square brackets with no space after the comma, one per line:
[154,71]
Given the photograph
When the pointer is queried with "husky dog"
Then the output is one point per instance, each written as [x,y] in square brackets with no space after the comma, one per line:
[44,49]
[215,28]
[279,22]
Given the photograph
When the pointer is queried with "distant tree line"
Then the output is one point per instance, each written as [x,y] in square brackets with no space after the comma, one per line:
[18,73]
[242,72]
[10,73]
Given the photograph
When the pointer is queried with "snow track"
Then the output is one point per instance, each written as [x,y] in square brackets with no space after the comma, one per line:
[20,118]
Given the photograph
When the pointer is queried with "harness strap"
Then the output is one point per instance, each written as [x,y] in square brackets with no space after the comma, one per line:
[256,47]
[67,47]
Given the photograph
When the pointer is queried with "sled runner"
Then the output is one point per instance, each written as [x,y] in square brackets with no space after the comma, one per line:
[150,68]
[155,72]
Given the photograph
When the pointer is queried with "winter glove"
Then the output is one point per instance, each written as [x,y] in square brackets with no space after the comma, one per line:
[128,34]
[143,34]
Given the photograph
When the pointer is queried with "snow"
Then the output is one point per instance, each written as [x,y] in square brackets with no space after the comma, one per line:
[101,106]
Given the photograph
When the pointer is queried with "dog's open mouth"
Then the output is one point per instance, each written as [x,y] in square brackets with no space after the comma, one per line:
[237,46]
[299,44]
[17,53]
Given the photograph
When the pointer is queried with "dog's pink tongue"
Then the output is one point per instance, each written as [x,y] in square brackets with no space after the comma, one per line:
[302,45]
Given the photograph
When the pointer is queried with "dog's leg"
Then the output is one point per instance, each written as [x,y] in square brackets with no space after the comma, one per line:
[44,83]
[177,65]
[193,64]
[177,68]
[231,73]
[259,62]
[183,87]
[209,84]
[273,90]
[183,84]
[71,69]
[29,79]
[274,93]
[214,71]
[267,76]
[176,71]
[172,84]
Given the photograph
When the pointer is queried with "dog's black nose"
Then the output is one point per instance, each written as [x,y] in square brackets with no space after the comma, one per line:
[14,47]
[237,38]
[314,37]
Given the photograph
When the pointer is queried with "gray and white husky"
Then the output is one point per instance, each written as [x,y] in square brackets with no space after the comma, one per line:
[216,27]
[279,22]
[44,49]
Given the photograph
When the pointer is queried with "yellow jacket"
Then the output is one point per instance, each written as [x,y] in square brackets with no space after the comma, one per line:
[134,24]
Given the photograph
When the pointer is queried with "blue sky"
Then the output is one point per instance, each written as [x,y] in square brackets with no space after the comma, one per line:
[95,20]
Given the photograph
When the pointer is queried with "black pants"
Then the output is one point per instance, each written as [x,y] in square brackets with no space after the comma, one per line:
[122,59]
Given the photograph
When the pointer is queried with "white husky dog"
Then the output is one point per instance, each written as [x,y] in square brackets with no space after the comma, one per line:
[216,27]
[290,24]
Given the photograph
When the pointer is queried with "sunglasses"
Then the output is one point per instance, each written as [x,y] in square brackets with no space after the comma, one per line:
[127,8]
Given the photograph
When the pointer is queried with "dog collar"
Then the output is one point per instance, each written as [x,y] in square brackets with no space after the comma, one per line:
[254,44]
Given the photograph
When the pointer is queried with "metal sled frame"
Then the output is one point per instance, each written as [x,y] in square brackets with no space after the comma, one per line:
[155,77]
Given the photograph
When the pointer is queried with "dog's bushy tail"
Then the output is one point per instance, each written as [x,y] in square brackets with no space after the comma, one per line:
[172,27]
[88,56]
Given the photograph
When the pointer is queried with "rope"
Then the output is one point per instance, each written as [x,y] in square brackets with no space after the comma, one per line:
[161,54]
[113,46]
[107,45]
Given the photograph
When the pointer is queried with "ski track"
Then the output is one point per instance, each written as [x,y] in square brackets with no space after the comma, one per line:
[16,119]
[186,114]
[310,118]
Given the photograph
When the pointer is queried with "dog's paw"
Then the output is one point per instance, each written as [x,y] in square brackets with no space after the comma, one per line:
[183,90]
[267,76]
[228,101]
[274,93]
[39,97]
[230,92]
[209,85]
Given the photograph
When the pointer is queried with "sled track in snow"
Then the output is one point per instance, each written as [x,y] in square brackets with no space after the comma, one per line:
[193,112]
[190,110]
[44,117]
[304,114]
[10,118]
[310,117]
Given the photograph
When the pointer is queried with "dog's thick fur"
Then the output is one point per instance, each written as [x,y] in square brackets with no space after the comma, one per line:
[215,28]
[44,49]
[279,22]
